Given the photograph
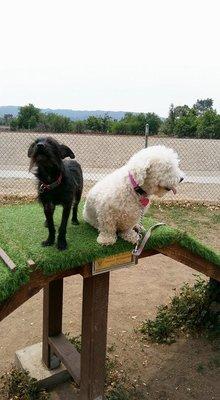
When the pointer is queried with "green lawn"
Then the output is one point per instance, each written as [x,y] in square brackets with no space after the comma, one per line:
[200,221]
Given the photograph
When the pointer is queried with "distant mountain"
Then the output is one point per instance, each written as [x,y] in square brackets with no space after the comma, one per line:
[9,110]
[72,114]
[77,114]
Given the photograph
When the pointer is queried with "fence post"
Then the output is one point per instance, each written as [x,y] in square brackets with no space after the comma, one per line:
[146,134]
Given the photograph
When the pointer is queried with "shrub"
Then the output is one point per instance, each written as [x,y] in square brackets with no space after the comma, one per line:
[55,123]
[18,385]
[78,126]
[14,124]
[191,311]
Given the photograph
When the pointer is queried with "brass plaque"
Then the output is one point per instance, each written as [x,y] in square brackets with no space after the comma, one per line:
[121,260]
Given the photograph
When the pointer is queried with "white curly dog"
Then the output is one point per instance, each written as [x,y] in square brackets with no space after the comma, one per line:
[114,205]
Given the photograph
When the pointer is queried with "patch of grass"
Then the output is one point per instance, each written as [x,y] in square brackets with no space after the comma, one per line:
[76,341]
[117,385]
[18,385]
[111,348]
[188,217]
[112,375]
[191,312]
[214,362]
[200,368]
[121,392]
[215,218]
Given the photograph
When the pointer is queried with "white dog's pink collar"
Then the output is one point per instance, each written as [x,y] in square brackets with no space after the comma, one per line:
[143,199]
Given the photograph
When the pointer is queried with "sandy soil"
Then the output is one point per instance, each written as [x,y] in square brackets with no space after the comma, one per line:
[166,372]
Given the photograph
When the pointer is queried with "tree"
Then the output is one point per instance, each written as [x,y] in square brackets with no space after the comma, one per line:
[209,125]
[203,105]
[8,118]
[186,125]
[14,124]
[28,117]
[56,123]
[181,111]
[119,127]
[99,124]
[135,124]
[154,122]
[106,123]
[94,123]
[168,126]
[79,126]
[181,122]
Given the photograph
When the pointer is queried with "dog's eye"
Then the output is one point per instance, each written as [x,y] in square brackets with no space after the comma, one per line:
[166,188]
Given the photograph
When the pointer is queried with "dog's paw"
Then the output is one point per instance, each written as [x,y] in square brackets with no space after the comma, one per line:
[48,242]
[61,244]
[75,222]
[131,236]
[106,239]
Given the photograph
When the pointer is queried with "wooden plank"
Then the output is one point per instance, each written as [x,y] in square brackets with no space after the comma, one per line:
[192,260]
[37,281]
[86,271]
[52,319]
[31,264]
[7,260]
[94,334]
[68,354]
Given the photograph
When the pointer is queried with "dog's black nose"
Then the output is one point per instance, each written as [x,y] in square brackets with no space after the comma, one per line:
[40,146]
[181,179]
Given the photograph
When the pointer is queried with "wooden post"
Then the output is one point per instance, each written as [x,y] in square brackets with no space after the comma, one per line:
[94,336]
[52,319]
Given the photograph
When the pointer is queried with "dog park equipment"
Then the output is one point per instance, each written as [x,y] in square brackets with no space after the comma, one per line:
[37,268]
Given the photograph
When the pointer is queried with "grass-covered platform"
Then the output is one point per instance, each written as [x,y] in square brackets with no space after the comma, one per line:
[28,267]
[22,231]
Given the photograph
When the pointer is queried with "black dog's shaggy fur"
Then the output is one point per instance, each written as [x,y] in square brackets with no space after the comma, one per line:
[60,182]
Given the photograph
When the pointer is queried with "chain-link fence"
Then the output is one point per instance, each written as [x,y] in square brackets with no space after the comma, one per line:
[102,153]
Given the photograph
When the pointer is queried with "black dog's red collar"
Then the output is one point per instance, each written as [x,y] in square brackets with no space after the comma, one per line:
[46,187]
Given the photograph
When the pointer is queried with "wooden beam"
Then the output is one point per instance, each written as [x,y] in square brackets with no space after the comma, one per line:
[52,319]
[37,281]
[94,335]
[192,260]
[6,259]
[68,354]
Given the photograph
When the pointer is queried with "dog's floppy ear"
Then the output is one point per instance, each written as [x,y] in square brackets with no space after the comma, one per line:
[30,150]
[65,151]
[141,171]
[139,165]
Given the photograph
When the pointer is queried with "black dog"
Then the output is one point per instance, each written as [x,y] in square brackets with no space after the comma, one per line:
[60,182]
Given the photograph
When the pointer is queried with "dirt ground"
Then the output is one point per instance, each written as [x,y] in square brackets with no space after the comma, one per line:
[166,372]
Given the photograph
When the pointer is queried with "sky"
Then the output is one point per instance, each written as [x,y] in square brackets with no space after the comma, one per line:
[119,55]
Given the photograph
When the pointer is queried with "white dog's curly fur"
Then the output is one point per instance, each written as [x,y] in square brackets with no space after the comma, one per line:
[112,205]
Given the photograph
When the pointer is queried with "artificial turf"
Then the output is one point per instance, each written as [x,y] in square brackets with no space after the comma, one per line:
[22,231]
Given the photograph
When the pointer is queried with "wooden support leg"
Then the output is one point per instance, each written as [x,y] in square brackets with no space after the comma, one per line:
[214,290]
[52,319]
[94,335]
